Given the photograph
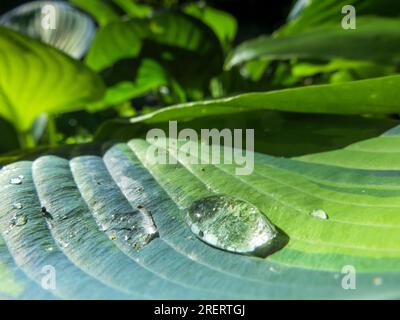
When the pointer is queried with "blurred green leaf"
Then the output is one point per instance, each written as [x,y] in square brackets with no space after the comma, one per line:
[73,31]
[129,79]
[222,23]
[36,78]
[364,69]
[101,10]
[134,9]
[308,14]
[181,44]
[376,39]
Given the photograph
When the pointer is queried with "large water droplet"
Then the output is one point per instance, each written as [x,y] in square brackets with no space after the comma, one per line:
[319,214]
[234,225]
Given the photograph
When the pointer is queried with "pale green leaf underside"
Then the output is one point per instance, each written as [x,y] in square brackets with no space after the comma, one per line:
[360,195]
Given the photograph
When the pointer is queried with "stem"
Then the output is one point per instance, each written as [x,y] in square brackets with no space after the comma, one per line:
[52,131]
[26,139]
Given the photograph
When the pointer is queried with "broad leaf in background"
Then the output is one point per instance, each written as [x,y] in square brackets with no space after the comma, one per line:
[131,78]
[222,23]
[181,44]
[91,203]
[36,78]
[101,10]
[134,9]
[307,14]
[106,11]
[72,33]
[375,39]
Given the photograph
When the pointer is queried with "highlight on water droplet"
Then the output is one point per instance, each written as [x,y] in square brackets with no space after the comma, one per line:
[18,221]
[16,180]
[377,281]
[17,205]
[234,225]
[319,214]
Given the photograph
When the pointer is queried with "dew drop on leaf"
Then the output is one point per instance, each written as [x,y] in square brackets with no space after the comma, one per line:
[17,205]
[319,214]
[18,221]
[377,281]
[16,181]
[234,225]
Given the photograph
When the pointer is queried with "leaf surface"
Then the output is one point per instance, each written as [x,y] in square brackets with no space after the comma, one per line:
[87,196]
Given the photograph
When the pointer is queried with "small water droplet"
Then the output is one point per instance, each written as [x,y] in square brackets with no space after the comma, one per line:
[18,221]
[16,181]
[273,269]
[113,236]
[17,205]
[378,281]
[233,225]
[319,214]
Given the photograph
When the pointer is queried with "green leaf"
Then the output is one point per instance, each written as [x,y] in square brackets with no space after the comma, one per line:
[176,41]
[308,14]
[130,79]
[372,96]
[134,9]
[73,31]
[15,284]
[81,232]
[363,69]
[36,79]
[101,10]
[222,23]
[376,39]
[277,133]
